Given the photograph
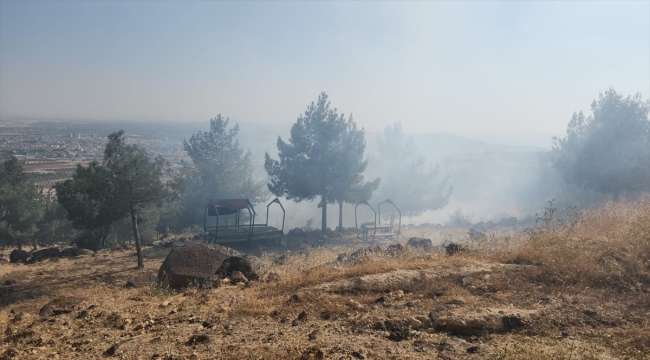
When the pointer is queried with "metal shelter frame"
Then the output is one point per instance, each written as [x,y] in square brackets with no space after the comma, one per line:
[389,201]
[236,232]
[364,226]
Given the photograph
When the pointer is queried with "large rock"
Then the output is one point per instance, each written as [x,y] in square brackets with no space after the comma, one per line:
[198,263]
[18,255]
[44,254]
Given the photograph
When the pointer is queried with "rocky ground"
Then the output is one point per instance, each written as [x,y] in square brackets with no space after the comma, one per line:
[418,302]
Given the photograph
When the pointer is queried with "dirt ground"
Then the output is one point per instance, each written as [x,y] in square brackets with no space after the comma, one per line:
[415,304]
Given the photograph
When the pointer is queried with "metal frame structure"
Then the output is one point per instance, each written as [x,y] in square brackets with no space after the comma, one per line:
[364,226]
[389,201]
[236,232]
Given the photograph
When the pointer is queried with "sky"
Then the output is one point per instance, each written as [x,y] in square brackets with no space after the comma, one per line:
[464,67]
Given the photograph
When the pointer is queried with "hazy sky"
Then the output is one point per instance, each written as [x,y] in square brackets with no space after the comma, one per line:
[465,67]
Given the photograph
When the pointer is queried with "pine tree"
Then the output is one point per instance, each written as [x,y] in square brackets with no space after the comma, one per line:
[608,151]
[350,186]
[323,158]
[21,203]
[89,202]
[220,169]
[135,181]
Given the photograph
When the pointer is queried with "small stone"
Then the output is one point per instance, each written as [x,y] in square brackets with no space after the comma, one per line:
[294,298]
[9,353]
[302,315]
[472,349]
[111,350]
[198,339]
[426,322]
[589,312]
[456,302]
[8,283]
[314,334]
[295,322]
[19,316]
[129,284]
[467,281]
[415,323]
[164,304]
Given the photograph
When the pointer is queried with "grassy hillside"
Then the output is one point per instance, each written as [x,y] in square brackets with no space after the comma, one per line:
[577,287]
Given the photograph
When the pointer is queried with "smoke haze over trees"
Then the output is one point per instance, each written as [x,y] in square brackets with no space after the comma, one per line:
[603,155]
[406,178]
[609,150]
[220,168]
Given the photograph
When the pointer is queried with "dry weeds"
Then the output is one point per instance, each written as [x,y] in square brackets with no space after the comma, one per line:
[584,287]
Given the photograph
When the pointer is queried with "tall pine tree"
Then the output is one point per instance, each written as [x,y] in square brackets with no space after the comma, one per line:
[135,181]
[220,169]
[350,186]
[323,158]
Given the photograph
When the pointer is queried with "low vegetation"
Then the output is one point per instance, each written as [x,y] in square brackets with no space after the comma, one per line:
[574,287]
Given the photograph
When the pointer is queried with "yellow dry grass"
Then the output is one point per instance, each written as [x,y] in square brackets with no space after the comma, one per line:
[586,284]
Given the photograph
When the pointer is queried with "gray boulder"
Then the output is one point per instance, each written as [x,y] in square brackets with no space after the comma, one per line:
[196,263]
[18,255]
[43,254]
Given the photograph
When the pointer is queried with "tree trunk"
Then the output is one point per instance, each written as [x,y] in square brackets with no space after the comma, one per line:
[340,215]
[102,239]
[136,237]
[324,219]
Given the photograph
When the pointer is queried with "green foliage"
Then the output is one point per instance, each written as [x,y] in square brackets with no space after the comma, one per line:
[21,203]
[53,226]
[406,178]
[349,186]
[135,182]
[220,169]
[128,183]
[89,201]
[608,151]
[324,157]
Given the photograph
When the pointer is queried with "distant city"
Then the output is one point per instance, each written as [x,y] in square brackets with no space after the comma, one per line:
[51,150]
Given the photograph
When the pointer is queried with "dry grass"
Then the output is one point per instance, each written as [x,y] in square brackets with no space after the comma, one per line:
[586,284]
[607,247]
